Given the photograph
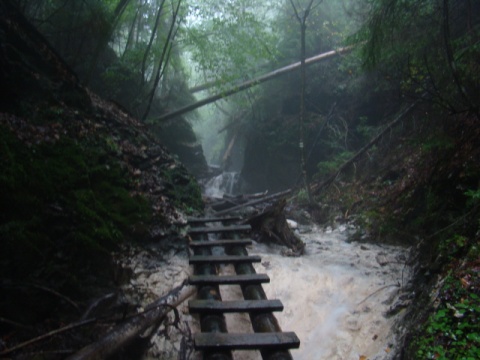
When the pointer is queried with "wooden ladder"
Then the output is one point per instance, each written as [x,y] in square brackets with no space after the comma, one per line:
[214,340]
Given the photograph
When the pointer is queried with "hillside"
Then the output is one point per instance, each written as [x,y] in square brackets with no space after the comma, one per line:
[80,178]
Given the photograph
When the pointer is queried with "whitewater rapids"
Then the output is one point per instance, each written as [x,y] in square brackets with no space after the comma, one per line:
[336,297]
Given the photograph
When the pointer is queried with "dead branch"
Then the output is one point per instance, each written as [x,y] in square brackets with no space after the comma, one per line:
[255,202]
[97,303]
[47,335]
[56,293]
[14,323]
[124,333]
[316,188]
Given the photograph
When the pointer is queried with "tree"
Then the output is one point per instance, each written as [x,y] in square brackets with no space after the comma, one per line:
[230,41]
[152,37]
[431,48]
[105,36]
[251,83]
[164,57]
[302,20]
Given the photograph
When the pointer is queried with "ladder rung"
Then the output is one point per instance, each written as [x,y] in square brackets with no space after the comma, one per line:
[225,242]
[200,259]
[212,306]
[213,219]
[255,341]
[219,229]
[229,279]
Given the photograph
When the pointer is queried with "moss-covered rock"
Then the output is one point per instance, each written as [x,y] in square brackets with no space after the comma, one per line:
[183,189]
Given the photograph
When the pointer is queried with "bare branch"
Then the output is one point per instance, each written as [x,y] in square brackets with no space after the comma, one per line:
[47,335]
[296,11]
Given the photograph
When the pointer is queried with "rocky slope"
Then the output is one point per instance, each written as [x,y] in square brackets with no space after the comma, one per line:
[80,178]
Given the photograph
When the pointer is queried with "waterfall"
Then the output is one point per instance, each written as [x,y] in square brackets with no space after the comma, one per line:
[221,184]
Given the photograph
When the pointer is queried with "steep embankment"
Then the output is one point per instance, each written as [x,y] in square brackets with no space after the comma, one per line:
[420,187]
[79,178]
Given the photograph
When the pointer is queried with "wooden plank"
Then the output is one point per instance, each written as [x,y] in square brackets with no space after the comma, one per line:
[224,242]
[219,229]
[212,306]
[255,341]
[224,259]
[229,279]
[213,219]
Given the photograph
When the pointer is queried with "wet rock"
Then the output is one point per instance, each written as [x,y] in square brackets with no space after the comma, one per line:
[292,224]
[382,259]
[397,307]
[353,324]
[304,229]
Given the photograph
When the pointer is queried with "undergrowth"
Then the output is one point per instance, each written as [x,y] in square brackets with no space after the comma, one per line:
[184,191]
[63,207]
[452,331]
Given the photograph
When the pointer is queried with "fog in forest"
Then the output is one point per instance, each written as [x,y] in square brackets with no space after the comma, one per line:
[155,152]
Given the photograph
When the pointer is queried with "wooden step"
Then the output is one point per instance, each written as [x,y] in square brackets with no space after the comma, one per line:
[219,229]
[229,279]
[212,306]
[213,219]
[255,341]
[223,259]
[225,242]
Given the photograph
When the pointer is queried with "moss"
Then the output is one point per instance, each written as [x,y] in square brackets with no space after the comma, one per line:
[183,189]
[62,208]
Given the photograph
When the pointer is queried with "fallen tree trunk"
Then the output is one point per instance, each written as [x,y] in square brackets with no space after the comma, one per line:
[271,226]
[316,188]
[254,202]
[123,334]
[253,82]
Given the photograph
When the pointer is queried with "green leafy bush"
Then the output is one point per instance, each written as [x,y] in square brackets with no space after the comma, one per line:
[453,330]
[327,167]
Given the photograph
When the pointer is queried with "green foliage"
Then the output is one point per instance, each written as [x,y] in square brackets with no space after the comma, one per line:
[473,196]
[226,40]
[453,330]
[365,130]
[328,25]
[432,50]
[439,142]
[329,166]
[63,207]
[453,246]
[302,197]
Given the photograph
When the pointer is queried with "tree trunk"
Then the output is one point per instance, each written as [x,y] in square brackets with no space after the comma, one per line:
[303,30]
[130,33]
[272,226]
[253,82]
[165,54]
[302,112]
[254,202]
[150,42]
